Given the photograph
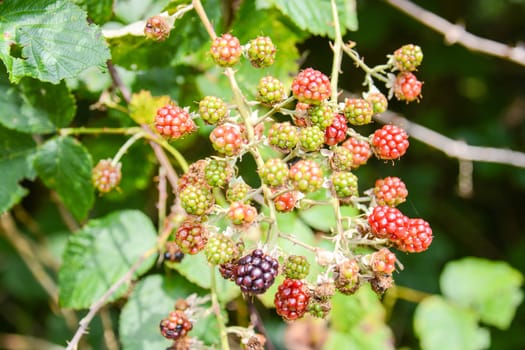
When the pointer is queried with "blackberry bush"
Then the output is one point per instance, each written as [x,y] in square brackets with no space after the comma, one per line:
[250,160]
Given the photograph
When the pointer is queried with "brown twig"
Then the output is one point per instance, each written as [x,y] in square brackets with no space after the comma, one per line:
[96,306]
[68,219]
[110,337]
[126,94]
[456,33]
[454,148]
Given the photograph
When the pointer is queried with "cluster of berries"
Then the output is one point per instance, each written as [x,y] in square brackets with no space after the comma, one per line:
[318,149]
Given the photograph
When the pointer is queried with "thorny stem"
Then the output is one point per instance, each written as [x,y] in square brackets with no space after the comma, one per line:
[298,242]
[246,116]
[336,65]
[95,307]
[274,109]
[361,64]
[163,197]
[217,310]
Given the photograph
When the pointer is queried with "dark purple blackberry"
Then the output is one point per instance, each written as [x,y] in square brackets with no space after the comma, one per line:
[227,270]
[256,272]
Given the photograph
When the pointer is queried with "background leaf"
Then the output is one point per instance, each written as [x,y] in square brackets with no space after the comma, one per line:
[16,150]
[64,165]
[36,107]
[315,16]
[52,47]
[441,325]
[491,288]
[358,322]
[100,11]
[151,301]
[197,270]
[101,253]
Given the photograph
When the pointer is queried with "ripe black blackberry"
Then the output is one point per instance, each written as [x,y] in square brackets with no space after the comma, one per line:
[256,272]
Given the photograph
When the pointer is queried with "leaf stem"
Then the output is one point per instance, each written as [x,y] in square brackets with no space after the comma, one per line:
[125,147]
[217,310]
[104,130]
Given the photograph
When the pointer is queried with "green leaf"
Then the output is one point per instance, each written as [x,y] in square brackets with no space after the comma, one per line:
[101,253]
[359,321]
[322,217]
[64,165]
[100,11]
[16,151]
[36,107]
[197,270]
[48,40]
[491,288]
[315,16]
[441,325]
[151,301]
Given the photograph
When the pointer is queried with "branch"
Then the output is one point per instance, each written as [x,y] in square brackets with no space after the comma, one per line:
[456,33]
[18,341]
[454,148]
[95,307]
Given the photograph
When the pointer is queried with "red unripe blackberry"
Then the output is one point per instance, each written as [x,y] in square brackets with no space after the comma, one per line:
[270,91]
[387,222]
[274,172]
[408,57]
[383,261]
[407,87]
[418,238]
[283,136]
[226,50]
[157,28]
[306,175]
[176,325]
[378,100]
[321,115]
[296,267]
[237,192]
[358,111]
[191,237]
[261,52]
[256,272]
[336,132]
[212,109]
[311,86]
[291,299]
[360,150]
[196,199]
[173,121]
[311,138]
[285,202]
[341,159]
[390,191]
[389,142]
[227,139]
[106,175]
[241,213]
